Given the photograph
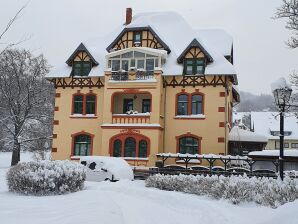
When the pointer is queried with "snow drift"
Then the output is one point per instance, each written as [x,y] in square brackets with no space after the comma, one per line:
[46,177]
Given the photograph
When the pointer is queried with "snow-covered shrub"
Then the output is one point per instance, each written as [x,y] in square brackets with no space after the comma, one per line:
[237,189]
[46,177]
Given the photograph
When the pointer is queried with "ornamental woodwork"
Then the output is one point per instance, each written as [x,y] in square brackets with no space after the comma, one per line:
[196,80]
[195,53]
[77,82]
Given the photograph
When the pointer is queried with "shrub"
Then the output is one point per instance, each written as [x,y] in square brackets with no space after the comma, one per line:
[46,177]
[236,189]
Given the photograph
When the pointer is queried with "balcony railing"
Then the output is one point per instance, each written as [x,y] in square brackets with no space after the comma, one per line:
[138,75]
[130,119]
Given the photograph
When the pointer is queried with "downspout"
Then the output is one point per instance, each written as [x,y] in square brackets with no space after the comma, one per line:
[226,111]
[164,115]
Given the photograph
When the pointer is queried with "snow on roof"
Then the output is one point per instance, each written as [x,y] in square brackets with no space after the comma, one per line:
[265,122]
[288,152]
[117,166]
[281,83]
[240,135]
[165,24]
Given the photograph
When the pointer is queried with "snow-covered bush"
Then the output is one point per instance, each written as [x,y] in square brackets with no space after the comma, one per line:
[46,177]
[237,189]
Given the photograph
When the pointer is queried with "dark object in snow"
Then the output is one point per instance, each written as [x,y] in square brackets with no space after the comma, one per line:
[92,166]
[46,177]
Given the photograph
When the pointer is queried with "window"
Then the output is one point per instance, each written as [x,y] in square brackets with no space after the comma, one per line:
[277,144]
[294,145]
[137,37]
[78,101]
[286,145]
[127,105]
[196,105]
[84,104]
[81,68]
[146,105]
[277,133]
[136,146]
[188,145]
[143,149]
[130,147]
[190,104]
[182,104]
[117,148]
[90,104]
[194,66]
[82,145]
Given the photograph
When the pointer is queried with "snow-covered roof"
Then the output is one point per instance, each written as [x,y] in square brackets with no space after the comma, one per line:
[288,152]
[266,122]
[241,135]
[165,24]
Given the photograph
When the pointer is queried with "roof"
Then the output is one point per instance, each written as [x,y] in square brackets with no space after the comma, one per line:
[165,26]
[80,48]
[274,153]
[194,43]
[238,134]
[265,122]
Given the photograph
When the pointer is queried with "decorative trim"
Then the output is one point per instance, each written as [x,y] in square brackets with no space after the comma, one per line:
[81,133]
[196,80]
[76,82]
[221,109]
[221,140]
[56,122]
[56,108]
[222,94]
[57,95]
[54,149]
[54,135]
[131,127]
[80,48]
[221,124]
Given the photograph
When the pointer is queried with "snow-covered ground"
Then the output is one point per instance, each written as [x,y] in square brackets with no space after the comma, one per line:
[130,202]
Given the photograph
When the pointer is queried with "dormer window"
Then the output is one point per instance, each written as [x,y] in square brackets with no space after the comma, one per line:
[193,66]
[81,68]
[137,38]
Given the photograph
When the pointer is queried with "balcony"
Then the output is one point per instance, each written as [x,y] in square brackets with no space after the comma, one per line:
[132,75]
[131,108]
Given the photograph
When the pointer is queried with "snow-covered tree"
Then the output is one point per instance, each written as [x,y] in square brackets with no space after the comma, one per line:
[24,95]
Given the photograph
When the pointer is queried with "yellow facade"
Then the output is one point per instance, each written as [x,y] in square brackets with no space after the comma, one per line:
[161,128]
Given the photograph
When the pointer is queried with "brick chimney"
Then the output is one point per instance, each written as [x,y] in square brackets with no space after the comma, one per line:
[128,16]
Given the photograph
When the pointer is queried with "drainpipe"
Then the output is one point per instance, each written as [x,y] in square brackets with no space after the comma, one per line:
[226,111]
[164,115]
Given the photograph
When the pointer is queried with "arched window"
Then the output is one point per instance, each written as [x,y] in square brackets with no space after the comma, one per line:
[196,104]
[82,145]
[130,147]
[117,148]
[78,104]
[182,104]
[188,145]
[90,104]
[143,149]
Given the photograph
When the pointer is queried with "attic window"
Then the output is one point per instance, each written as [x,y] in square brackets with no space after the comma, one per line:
[81,68]
[137,38]
[194,66]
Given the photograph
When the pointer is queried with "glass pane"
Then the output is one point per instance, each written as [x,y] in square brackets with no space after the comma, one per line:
[137,37]
[130,147]
[115,65]
[196,104]
[146,105]
[156,63]
[149,64]
[200,61]
[132,63]
[127,55]
[143,149]
[127,105]
[188,145]
[150,56]
[140,64]
[189,70]
[182,105]
[200,69]
[139,54]
[117,148]
[77,150]
[125,65]
[78,104]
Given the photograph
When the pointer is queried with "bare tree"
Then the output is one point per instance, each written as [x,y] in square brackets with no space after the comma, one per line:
[24,96]
[289,10]
[6,45]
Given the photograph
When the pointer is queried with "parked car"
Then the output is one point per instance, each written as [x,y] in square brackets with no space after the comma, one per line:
[101,168]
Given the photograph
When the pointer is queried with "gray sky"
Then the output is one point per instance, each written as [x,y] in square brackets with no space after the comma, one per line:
[56,28]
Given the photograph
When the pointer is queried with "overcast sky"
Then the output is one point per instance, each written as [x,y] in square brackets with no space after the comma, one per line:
[56,27]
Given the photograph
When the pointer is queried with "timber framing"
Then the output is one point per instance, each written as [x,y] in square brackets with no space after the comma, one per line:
[77,82]
[81,48]
[196,80]
[151,43]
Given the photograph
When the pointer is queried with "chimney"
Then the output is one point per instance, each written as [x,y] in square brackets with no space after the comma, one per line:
[128,16]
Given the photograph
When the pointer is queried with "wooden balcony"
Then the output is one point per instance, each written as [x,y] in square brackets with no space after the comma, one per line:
[131,119]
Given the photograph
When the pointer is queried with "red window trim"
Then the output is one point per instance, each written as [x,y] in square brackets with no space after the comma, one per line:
[81,133]
[189,106]
[123,136]
[188,135]
[84,102]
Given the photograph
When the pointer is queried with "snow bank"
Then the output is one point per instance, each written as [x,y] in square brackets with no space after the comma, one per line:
[237,189]
[118,167]
[46,177]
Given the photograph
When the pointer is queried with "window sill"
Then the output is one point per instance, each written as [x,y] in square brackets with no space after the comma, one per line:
[134,159]
[84,116]
[132,115]
[190,117]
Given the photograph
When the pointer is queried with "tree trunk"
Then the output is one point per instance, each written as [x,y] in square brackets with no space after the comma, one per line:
[15,153]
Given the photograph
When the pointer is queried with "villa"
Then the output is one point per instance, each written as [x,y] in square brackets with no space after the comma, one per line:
[154,85]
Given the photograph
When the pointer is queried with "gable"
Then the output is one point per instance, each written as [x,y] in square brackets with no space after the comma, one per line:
[81,54]
[149,39]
